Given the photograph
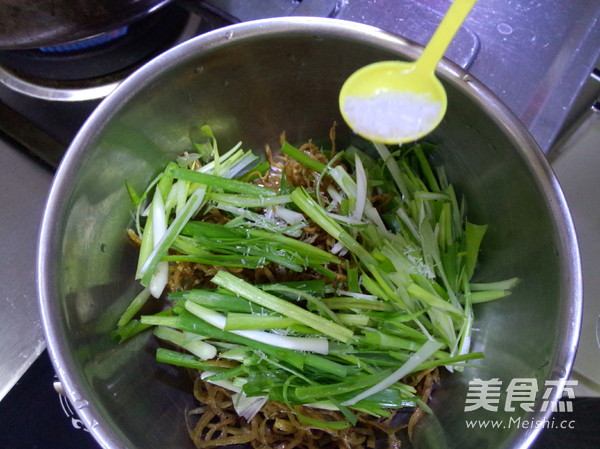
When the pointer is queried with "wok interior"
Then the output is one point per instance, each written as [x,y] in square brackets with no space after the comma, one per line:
[252,87]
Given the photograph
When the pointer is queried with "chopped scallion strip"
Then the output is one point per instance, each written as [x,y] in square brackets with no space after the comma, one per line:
[228,185]
[240,287]
[302,157]
[426,351]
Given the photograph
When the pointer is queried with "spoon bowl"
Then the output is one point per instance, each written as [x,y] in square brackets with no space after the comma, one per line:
[395,102]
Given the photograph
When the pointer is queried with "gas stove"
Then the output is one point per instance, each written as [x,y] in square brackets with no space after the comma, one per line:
[54,89]
[536,56]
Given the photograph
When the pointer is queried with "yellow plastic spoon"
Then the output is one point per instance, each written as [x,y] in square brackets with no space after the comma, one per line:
[396,102]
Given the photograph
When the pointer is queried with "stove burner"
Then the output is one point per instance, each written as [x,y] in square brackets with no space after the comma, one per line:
[91,68]
[86,43]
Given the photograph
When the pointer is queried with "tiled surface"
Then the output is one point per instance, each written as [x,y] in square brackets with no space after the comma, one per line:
[578,171]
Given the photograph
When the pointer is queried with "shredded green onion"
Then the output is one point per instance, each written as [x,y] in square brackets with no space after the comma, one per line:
[390,293]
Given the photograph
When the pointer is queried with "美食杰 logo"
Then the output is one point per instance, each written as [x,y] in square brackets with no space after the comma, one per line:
[520,393]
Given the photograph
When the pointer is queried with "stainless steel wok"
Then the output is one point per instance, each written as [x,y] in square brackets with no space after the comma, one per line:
[250,82]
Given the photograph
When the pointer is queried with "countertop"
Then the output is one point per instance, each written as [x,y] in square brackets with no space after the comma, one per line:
[24,184]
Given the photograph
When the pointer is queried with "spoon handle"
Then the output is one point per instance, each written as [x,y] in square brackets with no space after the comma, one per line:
[449,26]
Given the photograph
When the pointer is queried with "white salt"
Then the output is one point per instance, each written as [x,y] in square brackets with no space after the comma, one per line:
[392,116]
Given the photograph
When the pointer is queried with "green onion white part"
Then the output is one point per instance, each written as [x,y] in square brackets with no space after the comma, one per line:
[317,345]
[160,277]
